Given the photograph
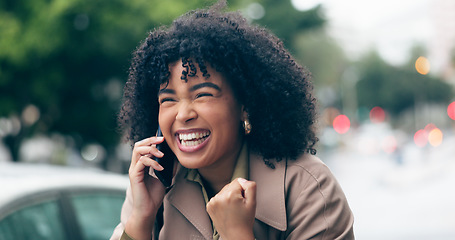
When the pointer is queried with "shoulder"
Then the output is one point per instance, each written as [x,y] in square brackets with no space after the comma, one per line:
[311,178]
[315,201]
[297,174]
[309,167]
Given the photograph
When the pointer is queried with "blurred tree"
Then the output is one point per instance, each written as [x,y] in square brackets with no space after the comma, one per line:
[303,34]
[65,61]
[68,59]
[321,54]
[327,62]
[287,22]
[397,88]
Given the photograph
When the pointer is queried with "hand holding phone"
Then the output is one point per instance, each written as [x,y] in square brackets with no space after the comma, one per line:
[167,161]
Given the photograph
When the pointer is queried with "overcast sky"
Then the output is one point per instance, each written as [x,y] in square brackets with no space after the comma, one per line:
[391,26]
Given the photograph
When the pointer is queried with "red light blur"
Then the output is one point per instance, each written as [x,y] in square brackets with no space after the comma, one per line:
[341,124]
[421,138]
[429,127]
[451,110]
[377,115]
[430,134]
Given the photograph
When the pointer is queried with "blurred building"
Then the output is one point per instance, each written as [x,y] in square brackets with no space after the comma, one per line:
[442,43]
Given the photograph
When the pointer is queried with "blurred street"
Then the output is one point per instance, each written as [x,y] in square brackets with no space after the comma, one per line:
[405,195]
[383,76]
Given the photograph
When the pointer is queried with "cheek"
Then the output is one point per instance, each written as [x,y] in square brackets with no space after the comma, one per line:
[161,119]
[164,120]
[225,116]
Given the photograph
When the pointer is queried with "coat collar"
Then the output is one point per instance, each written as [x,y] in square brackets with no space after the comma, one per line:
[270,193]
[187,198]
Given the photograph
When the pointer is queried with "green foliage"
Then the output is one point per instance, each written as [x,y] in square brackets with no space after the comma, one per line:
[287,22]
[397,89]
[69,58]
[322,56]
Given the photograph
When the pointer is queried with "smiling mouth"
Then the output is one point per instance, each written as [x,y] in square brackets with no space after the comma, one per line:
[193,139]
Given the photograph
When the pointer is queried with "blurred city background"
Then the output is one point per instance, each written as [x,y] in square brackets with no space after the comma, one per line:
[384,76]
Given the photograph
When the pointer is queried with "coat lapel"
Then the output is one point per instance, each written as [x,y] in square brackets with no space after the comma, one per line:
[186,197]
[270,194]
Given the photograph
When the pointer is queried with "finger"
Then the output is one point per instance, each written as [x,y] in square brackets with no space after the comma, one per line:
[147,161]
[225,188]
[235,191]
[136,170]
[142,163]
[148,151]
[140,148]
[229,192]
[249,189]
[149,141]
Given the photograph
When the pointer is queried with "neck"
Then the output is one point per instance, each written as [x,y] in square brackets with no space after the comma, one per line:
[214,181]
[217,176]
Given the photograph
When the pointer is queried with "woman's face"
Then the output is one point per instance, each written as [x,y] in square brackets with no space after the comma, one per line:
[200,119]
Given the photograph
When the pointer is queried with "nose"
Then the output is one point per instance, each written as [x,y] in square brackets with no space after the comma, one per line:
[186,112]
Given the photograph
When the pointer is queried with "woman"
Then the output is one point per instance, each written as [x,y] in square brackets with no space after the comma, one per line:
[237,112]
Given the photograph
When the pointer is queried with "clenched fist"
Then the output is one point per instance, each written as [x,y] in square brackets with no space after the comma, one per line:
[233,210]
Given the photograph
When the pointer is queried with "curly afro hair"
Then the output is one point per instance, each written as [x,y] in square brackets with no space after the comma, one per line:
[275,90]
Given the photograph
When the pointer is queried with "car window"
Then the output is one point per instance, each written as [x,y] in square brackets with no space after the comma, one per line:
[40,221]
[97,214]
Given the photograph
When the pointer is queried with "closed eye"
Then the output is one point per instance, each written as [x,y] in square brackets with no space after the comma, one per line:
[163,100]
[199,95]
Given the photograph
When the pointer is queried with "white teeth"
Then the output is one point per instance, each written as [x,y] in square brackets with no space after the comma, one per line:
[192,136]
[191,143]
[193,139]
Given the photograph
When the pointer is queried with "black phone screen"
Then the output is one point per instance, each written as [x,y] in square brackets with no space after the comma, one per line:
[167,161]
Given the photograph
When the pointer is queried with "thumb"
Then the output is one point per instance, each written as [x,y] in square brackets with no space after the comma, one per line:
[249,189]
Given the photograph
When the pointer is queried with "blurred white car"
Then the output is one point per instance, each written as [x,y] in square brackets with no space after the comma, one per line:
[50,202]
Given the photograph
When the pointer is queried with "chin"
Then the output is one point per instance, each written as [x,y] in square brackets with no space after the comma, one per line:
[190,163]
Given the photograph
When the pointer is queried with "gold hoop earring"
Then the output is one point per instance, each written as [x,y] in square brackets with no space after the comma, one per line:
[247,127]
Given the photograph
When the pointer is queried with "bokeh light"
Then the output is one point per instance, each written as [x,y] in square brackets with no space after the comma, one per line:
[255,11]
[93,152]
[429,127]
[430,134]
[305,5]
[421,138]
[435,137]
[30,115]
[422,65]
[451,110]
[377,115]
[341,124]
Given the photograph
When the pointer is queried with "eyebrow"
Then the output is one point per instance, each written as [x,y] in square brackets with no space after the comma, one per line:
[203,85]
[192,89]
[165,90]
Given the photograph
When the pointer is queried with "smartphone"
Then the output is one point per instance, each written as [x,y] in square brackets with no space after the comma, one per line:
[167,161]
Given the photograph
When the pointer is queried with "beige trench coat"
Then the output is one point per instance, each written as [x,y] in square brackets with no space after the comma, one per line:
[297,200]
